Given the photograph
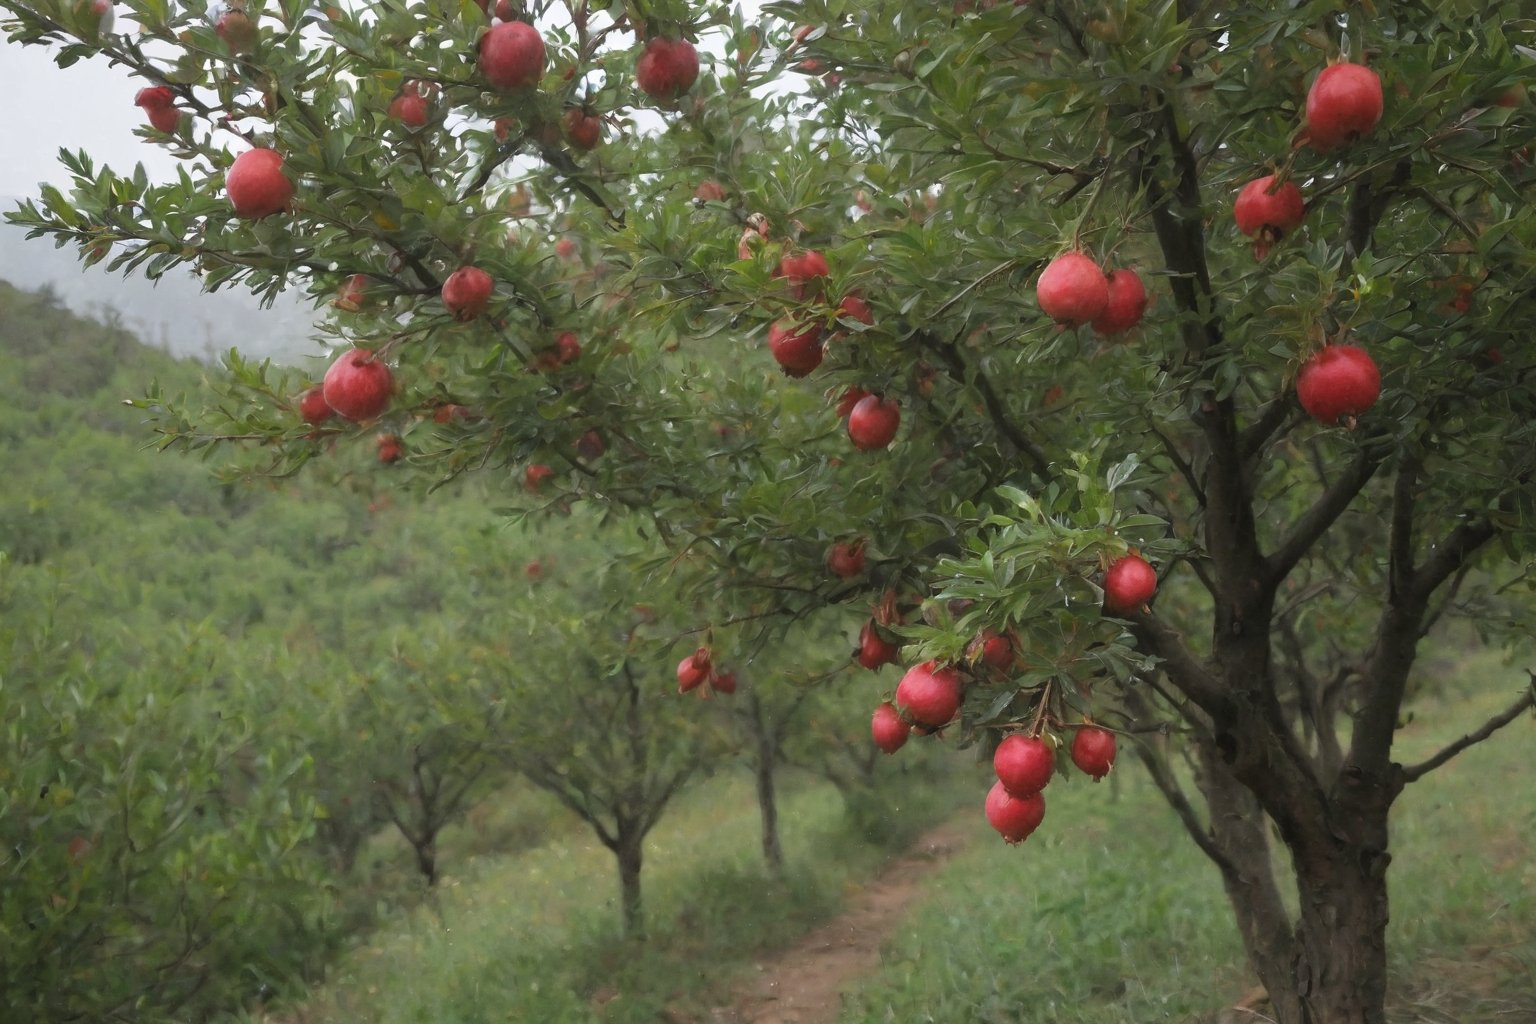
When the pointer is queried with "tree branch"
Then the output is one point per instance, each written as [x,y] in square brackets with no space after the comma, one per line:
[1323,513]
[1527,700]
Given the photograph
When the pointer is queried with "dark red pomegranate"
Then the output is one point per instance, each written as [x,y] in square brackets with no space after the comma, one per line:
[1072,290]
[1127,303]
[887,728]
[1129,583]
[1093,751]
[796,348]
[1023,764]
[929,694]
[1339,381]
[874,649]
[1267,216]
[1014,818]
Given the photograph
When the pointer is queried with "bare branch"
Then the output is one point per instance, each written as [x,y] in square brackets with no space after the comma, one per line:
[1187,673]
[1323,513]
[1527,700]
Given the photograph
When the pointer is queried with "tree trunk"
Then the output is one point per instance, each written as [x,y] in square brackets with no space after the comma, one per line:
[765,761]
[628,851]
[1329,965]
[426,857]
[767,805]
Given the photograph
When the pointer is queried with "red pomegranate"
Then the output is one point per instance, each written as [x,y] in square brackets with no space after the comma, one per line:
[313,407]
[467,292]
[846,558]
[1129,583]
[1127,303]
[929,694]
[358,384]
[1014,818]
[803,271]
[256,184]
[873,422]
[1339,381]
[668,68]
[1343,104]
[1093,751]
[1072,290]
[1266,213]
[888,729]
[796,348]
[512,55]
[1023,764]
[874,649]
[693,670]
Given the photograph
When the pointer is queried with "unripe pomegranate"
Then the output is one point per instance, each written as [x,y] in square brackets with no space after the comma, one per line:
[1127,303]
[709,191]
[1093,751]
[1014,818]
[1343,104]
[1072,290]
[1339,381]
[929,694]
[1267,216]
[888,729]
[874,649]
[1129,583]
[1023,764]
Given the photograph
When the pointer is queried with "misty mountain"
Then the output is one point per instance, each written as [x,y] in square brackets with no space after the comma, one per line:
[174,313]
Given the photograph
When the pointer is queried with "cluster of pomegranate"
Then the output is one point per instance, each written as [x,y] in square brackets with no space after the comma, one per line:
[1339,382]
[1074,291]
[697,672]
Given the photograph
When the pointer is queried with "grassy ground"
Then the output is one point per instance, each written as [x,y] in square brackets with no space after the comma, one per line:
[1108,915]
[533,936]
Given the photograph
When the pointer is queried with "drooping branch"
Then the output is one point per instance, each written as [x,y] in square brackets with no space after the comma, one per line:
[1526,702]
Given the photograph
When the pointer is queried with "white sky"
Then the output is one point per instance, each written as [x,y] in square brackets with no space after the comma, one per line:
[88,106]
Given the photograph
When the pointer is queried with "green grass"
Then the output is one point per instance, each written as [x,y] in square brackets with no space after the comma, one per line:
[533,936]
[1109,915]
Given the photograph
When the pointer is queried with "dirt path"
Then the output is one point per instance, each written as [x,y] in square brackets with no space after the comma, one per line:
[804,984]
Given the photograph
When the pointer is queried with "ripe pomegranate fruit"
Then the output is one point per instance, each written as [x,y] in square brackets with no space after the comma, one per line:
[888,729]
[1093,751]
[846,558]
[156,102]
[996,649]
[358,384]
[796,348]
[389,448]
[1127,303]
[467,292]
[1072,290]
[723,682]
[313,407]
[410,107]
[1129,583]
[873,422]
[583,130]
[693,670]
[929,694]
[1339,381]
[1014,818]
[535,475]
[1023,764]
[1266,213]
[803,272]
[874,650]
[853,307]
[256,184]
[512,55]
[349,296]
[567,347]
[848,399]
[668,68]
[1343,104]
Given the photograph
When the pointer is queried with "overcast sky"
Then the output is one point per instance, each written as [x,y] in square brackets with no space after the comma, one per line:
[87,106]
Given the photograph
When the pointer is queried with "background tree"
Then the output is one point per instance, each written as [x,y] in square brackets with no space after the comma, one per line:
[936,161]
